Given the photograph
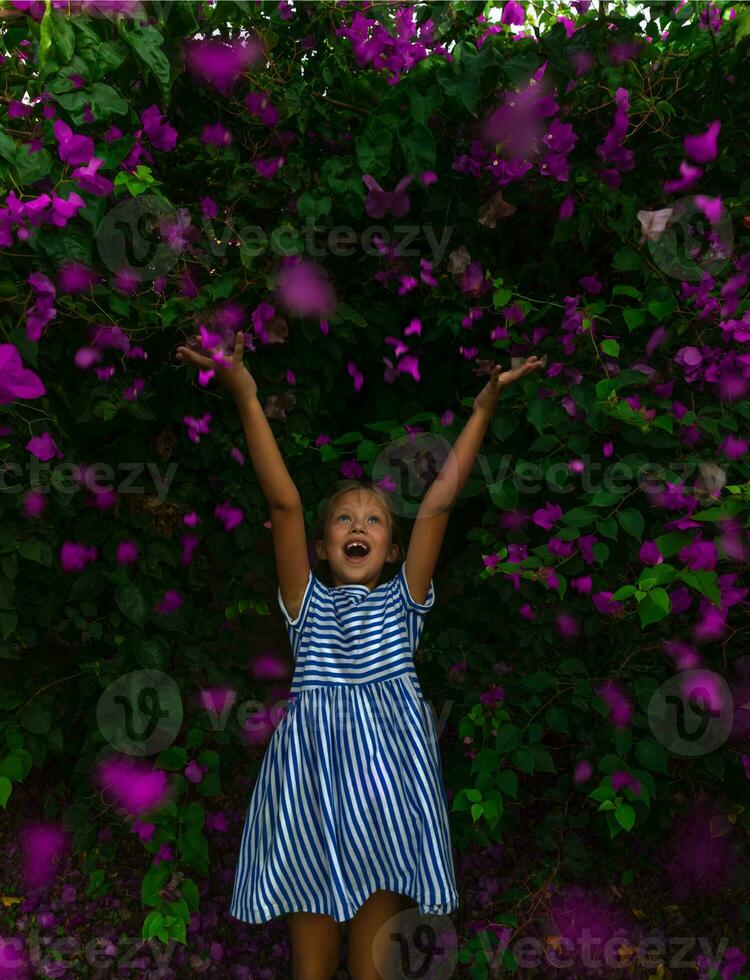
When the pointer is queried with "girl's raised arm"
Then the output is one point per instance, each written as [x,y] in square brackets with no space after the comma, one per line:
[432,518]
[283,498]
[274,479]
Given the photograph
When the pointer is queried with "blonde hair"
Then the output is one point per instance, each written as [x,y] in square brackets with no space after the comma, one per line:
[327,508]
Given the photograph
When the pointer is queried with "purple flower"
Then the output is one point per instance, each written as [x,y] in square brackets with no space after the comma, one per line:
[193,771]
[44,447]
[161,134]
[546,516]
[378,201]
[733,448]
[688,176]
[699,556]
[74,556]
[72,149]
[591,284]
[703,147]
[710,206]
[513,13]
[220,64]
[16,381]
[90,181]
[650,554]
[171,602]
[567,207]
[260,105]
[216,135]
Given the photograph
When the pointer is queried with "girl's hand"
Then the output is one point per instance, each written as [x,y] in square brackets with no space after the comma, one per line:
[229,368]
[488,397]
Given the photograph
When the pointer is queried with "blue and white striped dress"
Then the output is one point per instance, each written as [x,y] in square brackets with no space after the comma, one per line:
[349,797]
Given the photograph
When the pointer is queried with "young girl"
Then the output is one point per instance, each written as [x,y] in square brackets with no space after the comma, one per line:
[348,819]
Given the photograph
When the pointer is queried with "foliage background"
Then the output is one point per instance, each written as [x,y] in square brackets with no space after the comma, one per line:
[547,657]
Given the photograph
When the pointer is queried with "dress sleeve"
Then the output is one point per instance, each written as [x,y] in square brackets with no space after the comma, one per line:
[420,608]
[413,613]
[297,624]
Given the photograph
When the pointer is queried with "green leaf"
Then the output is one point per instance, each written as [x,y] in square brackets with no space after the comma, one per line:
[631,521]
[46,31]
[626,260]
[608,527]
[579,517]
[661,309]
[507,782]
[6,788]
[373,149]
[172,759]
[540,412]
[611,347]
[634,318]
[63,36]
[36,719]
[146,42]
[30,167]
[707,583]
[189,891]
[153,881]
[418,146]
[524,758]
[653,606]
[153,924]
[651,754]
[625,816]
[486,760]
[622,289]
[508,738]
[132,603]
[107,101]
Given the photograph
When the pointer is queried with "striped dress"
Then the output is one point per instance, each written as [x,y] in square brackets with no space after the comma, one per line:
[349,797]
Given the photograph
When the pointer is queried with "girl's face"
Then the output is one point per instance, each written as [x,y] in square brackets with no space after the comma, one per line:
[359,516]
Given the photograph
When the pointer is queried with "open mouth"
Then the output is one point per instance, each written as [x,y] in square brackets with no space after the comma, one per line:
[356,552]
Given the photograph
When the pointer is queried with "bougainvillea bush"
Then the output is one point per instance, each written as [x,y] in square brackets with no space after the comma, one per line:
[387,198]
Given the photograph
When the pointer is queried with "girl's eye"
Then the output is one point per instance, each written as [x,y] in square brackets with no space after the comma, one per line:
[371,516]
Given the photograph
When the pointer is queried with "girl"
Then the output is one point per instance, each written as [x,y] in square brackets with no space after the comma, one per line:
[348,819]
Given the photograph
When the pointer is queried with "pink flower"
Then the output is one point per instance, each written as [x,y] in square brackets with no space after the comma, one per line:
[127,552]
[304,290]
[194,772]
[703,147]
[132,784]
[16,381]
[44,447]
[378,201]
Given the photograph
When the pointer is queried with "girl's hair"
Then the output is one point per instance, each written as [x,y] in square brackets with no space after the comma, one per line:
[322,569]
